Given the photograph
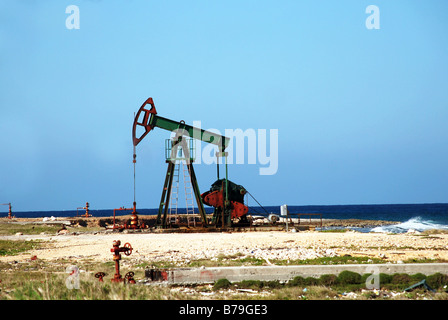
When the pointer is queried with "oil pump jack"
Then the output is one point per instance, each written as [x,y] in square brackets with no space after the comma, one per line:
[226,197]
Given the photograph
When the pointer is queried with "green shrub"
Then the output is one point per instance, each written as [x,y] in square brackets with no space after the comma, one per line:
[401,278]
[257,284]
[385,278]
[349,277]
[327,279]
[221,284]
[272,284]
[437,280]
[417,277]
[251,284]
[311,281]
[296,281]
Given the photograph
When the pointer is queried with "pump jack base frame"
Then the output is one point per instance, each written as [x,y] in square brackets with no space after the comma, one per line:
[161,221]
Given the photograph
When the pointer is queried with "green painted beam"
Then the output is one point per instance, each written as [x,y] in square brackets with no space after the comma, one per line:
[221,141]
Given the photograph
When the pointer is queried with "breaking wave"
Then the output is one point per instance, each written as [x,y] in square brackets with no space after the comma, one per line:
[416,223]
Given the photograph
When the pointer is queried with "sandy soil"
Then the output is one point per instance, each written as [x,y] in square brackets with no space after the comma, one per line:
[182,247]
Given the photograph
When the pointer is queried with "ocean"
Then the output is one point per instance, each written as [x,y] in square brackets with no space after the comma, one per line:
[418,217]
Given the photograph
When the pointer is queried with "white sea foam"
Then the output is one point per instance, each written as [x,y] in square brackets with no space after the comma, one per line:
[417,224]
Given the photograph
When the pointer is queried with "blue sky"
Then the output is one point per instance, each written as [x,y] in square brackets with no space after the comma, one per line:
[361,114]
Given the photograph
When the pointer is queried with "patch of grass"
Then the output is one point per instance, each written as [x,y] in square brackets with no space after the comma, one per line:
[424,260]
[335,230]
[8,229]
[22,285]
[252,261]
[221,261]
[434,231]
[300,293]
[336,260]
[10,247]
[225,261]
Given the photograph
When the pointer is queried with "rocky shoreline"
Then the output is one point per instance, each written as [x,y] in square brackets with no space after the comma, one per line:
[356,223]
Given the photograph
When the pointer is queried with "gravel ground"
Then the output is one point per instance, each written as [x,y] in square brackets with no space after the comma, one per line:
[184,247]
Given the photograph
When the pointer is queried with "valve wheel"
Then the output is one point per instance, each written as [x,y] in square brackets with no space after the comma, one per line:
[100,275]
[129,277]
[128,248]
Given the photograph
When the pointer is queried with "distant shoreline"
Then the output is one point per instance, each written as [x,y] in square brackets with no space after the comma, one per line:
[360,223]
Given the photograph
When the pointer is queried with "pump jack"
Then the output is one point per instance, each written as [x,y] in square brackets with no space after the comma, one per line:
[225,196]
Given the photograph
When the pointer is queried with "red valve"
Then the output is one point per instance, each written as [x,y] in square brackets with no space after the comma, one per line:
[129,277]
[127,250]
[100,276]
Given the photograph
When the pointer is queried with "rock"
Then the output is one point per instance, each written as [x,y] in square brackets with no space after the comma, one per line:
[63,231]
